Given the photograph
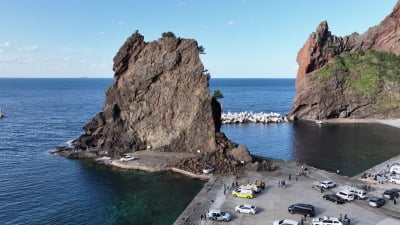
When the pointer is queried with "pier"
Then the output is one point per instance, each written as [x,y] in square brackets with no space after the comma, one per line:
[250,117]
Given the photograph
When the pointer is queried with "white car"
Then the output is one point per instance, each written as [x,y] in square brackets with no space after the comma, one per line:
[394,179]
[208,170]
[216,214]
[345,194]
[127,158]
[326,220]
[246,208]
[327,184]
[285,222]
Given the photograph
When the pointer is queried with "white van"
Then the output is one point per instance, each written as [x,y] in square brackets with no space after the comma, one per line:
[395,179]
[359,193]
[395,168]
[345,194]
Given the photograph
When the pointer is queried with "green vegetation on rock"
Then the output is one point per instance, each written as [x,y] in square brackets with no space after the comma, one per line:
[218,94]
[168,34]
[363,72]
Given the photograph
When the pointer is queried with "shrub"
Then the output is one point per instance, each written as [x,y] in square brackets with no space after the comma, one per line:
[217,94]
[168,34]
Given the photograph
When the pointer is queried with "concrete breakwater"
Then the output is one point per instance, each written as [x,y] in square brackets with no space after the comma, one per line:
[250,117]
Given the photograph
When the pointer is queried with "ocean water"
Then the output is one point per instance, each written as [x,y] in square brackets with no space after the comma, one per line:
[39,188]
[349,148]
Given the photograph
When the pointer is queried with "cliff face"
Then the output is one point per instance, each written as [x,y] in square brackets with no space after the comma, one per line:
[331,98]
[159,100]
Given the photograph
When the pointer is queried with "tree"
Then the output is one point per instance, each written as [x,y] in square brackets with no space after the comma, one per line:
[218,94]
[201,49]
[168,34]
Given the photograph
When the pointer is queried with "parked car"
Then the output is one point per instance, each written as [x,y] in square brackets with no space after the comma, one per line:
[345,194]
[285,222]
[326,220]
[301,208]
[208,170]
[334,198]
[394,179]
[359,194]
[216,214]
[256,188]
[328,184]
[243,193]
[390,194]
[127,158]
[376,202]
[246,208]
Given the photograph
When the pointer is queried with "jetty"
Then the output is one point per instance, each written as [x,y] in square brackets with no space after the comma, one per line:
[250,117]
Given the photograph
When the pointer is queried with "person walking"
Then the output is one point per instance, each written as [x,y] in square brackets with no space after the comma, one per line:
[279,183]
[290,176]
[302,221]
[394,200]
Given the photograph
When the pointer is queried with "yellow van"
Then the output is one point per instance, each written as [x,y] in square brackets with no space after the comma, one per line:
[243,193]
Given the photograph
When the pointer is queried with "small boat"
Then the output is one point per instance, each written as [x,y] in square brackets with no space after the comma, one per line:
[319,122]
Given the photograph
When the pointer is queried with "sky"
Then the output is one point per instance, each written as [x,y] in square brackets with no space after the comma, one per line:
[242,38]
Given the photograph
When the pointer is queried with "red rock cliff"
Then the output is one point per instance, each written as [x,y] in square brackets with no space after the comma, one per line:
[321,46]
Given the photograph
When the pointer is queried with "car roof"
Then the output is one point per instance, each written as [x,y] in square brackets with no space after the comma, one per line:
[214,211]
[303,205]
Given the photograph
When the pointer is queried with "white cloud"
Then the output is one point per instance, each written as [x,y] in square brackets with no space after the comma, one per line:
[120,23]
[5,44]
[101,33]
[231,22]
[83,61]
[28,48]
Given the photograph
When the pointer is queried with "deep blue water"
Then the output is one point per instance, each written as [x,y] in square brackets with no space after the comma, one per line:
[350,148]
[39,188]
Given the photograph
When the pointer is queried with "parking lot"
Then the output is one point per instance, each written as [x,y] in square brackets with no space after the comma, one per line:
[272,203]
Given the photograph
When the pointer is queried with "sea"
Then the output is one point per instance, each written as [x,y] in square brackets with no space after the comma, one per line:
[37,187]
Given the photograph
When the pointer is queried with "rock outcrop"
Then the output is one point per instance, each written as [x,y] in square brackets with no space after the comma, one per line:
[159,101]
[332,98]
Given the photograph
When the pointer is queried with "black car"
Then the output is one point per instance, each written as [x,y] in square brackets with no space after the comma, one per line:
[389,194]
[334,198]
[301,208]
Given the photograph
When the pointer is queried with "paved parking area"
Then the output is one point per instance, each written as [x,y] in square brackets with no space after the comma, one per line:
[272,203]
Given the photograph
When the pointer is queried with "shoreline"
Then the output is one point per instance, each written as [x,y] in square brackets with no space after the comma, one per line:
[130,166]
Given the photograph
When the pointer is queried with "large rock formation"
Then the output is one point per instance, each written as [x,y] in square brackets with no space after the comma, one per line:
[159,101]
[332,98]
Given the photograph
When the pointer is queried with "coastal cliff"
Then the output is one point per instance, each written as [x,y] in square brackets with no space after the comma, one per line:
[160,101]
[355,76]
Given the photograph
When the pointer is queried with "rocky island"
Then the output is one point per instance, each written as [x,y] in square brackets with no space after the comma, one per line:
[160,103]
[355,76]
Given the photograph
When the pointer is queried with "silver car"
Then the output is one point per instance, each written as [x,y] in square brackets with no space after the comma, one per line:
[216,214]
[246,208]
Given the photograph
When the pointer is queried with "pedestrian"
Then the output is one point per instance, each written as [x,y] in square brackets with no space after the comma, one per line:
[296,178]
[290,176]
[236,183]
[201,217]
[394,200]
[345,216]
[283,184]
[302,221]
[279,183]
[233,184]
[224,191]
[340,218]
[305,217]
